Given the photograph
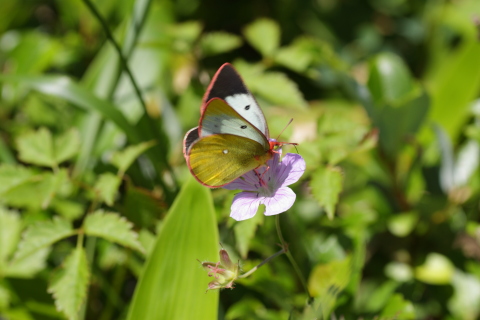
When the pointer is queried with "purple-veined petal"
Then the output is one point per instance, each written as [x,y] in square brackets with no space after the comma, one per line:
[244,205]
[280,202]
[291,169]
[248,182]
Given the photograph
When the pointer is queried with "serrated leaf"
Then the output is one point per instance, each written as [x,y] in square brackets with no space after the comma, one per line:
[10,228]
[12,176]
[214,43]
[29,265]
[33,190]
[40,148]
[112,227]
[326,186]
[36,147]
[42,235]
[67,145]
[106,187]
[69,286]
[124,159]
[263,35]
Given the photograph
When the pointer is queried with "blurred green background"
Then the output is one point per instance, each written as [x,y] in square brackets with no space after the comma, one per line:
[100,218]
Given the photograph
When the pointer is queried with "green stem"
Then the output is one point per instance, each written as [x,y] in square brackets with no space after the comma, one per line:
[290,257]
[246,274]
[124,65]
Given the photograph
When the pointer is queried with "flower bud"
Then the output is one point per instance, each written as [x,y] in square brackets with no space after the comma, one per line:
[225,271]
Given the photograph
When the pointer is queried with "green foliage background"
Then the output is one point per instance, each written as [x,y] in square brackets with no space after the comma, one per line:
[100,218]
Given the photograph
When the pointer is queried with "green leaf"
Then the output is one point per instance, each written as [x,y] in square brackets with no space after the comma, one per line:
[390,81]
[69,285]
[23,188]
[213,43]
[124,159]
[29,265]
[325,283]
[42,235]
[297,56]
[245,231]
[40,148]
[398,308]
[403,223]
[454,81]
[399,123]
[172,277]
[263,35]
[106,187]
[112,227]
[437,269]
[10,228]
[67,89]
[326,186]
[66,145]
[277,88]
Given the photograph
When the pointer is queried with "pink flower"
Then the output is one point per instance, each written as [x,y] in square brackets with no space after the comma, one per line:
[267,186]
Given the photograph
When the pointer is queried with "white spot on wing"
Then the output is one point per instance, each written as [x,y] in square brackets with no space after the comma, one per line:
[254,114]
[225,151]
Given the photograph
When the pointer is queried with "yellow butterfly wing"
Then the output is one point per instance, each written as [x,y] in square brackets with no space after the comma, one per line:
[218,159]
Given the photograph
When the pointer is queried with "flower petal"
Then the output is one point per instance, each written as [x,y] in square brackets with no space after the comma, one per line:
[280,202]
[291,169]
[248,182]
[244,205]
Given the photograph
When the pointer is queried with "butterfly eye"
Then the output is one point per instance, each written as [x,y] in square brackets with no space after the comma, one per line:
[243,127]
[247,107]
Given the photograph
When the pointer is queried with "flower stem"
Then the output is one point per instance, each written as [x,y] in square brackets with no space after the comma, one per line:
[246,274]
[290,257]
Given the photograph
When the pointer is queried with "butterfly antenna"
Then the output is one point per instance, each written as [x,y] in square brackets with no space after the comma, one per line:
[284,128]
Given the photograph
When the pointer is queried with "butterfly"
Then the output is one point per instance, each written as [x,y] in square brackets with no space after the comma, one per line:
[232,136]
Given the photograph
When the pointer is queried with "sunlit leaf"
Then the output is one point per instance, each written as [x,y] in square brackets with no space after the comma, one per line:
[213,43]
[32,190]
[10,228]
[263,35]
[42,235]
[390,81]
[42,149]
[326,186]
[437,269]
[106,187]
[29,265]
[69,286]
[172,277]
[112,227]
[398,308]
[325,283]
[277,88]
[123,159]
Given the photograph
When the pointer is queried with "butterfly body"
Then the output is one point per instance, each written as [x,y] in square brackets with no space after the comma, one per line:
[232,137]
